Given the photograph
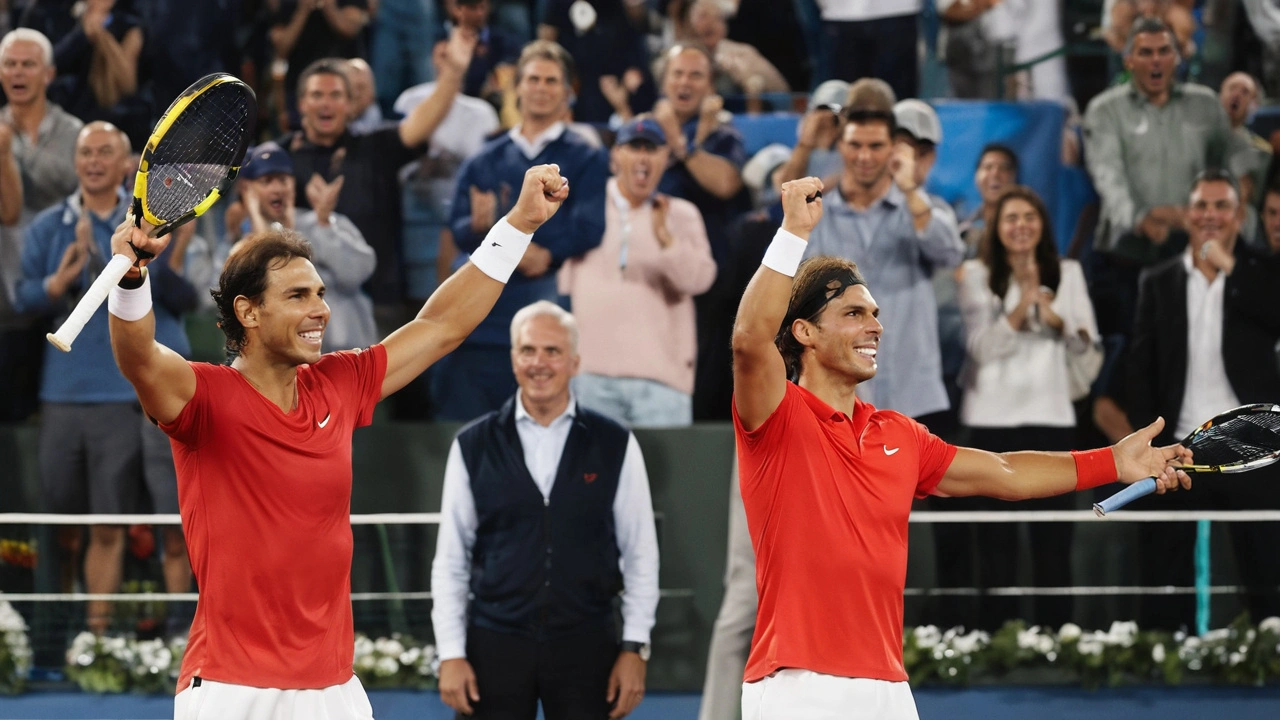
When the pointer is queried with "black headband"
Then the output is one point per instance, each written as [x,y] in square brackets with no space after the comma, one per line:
[836,281]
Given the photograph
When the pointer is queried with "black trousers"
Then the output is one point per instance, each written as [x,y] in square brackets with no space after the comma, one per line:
[883,48]
[570,675]
[985,555]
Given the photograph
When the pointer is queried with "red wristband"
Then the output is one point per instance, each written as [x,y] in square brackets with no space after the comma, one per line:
[1094,468]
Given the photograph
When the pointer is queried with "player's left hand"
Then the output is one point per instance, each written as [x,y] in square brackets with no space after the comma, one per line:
[626,684]
[541,195]
[126,232]
[1137,460]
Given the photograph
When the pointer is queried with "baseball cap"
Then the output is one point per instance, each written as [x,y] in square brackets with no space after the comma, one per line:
[266,159]
[756,173]
[916,117]
[831,92]
[641,128]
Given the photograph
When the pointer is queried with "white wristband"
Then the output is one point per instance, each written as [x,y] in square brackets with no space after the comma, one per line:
[784,253]
[500,251]
[131,305]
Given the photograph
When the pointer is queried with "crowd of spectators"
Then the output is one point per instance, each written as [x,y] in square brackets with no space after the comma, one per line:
[394,133]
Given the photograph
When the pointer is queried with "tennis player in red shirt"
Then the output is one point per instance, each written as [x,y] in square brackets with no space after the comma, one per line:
[263,454]
[828,481]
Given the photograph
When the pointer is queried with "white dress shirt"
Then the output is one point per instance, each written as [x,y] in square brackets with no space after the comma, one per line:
[533,148]
[1207,391]
[856,10]
[632,519]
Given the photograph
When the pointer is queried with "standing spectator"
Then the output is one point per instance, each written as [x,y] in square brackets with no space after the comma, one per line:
[339,252]
[1204,342]
[817,151]
[97,59]
[996,172]
[612,60]
[398,55]
[188,41]
[366,116]
[325,147]
[1026,312]
[1145,141]
[1264,17]
[90,440]
[1271,221]
[633,295]
[862,39]
[304,31]
[496,52]
[740,67]
[882,219]
[430,184]
[546,516]
[707,155]
[475,379]
[976,33]
[41,137]
[1239,98]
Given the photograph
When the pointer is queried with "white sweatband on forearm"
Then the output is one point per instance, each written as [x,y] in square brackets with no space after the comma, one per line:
[784,253]
[131,305]
[500,251]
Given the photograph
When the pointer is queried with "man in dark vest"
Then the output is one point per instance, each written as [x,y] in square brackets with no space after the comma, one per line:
[545,519]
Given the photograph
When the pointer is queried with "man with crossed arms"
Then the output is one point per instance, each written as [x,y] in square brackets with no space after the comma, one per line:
[263,452]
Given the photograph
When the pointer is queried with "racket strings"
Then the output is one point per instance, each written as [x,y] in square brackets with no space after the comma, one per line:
[1241,439]
[193,157]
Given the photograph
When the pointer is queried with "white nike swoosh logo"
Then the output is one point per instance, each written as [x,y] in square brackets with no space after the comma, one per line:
[323,422]
[887,451]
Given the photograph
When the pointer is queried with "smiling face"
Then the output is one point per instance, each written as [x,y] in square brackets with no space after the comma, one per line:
[866,148]
[994,175]
[1152,61]
[638,167]
[102,159]
[288,322]
[24,73]
[1019,228]
[544,361]
[1213,214]
[325,105]
[542,90]
[686,82]
[844,339]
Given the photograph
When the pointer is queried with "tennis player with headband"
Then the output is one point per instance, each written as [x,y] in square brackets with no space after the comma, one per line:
[828,481]
[263,454]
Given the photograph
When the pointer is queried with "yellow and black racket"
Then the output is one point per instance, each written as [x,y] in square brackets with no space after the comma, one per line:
[191,159]
[1238,440]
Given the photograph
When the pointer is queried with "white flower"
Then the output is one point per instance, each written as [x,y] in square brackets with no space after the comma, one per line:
[386,667]
[364,646]
[365,662]
[1122,633]
[1091,644]
[1235,659]
[1271,625]
[927,636]
[10,619]
[410,656]
[1027,639]
[1069,632]
[1157,653]
[1216,635]
[1045,646]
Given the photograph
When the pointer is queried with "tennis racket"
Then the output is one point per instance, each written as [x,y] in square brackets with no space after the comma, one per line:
[190,160]
[1243,439]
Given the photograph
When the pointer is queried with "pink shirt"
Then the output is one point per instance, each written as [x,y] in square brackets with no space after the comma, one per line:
[634,299]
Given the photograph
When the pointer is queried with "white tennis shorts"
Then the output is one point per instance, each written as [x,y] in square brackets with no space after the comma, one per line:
[223,701]
[806,695]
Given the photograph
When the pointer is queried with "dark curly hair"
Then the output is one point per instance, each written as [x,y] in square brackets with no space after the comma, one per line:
[993,252]
[818,281]
[245,275]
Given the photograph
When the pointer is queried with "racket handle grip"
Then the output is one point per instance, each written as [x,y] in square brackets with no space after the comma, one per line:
[89,304]
[1142,488]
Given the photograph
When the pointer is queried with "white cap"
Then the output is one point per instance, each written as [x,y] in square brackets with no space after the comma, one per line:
[916,117]
[831,92]
[756,173]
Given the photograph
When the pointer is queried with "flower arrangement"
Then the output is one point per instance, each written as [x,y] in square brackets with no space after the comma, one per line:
[118,664]
[396,662]
[1239,654]
[15,650]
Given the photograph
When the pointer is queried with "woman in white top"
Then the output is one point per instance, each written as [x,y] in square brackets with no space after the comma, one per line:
[1025,311]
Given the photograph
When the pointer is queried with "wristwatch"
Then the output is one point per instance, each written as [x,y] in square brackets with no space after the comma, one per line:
[641,649]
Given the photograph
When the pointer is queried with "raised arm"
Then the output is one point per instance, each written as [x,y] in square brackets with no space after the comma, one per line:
[458,306]
[422,121]
[1026,475]
[165,383]
[759,373]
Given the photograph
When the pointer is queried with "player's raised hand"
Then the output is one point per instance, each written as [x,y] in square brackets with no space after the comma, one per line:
[801,205]
[541,195]
[128,239]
